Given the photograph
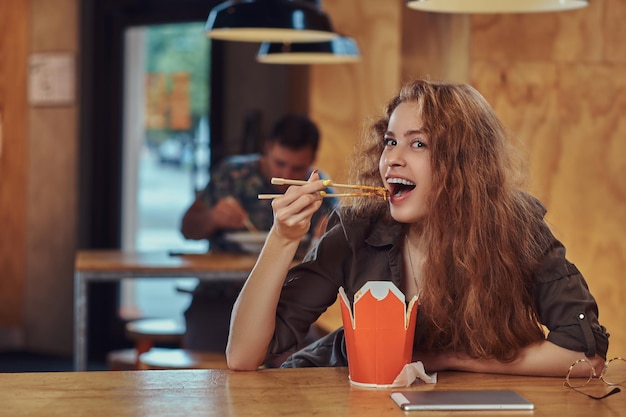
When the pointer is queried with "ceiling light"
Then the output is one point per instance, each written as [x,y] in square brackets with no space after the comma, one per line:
[269,20]
[339,50]
[495,6]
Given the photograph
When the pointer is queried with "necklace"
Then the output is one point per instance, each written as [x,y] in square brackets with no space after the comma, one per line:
[408,249]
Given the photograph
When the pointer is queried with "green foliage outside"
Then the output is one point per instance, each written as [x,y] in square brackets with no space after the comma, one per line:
[181,47]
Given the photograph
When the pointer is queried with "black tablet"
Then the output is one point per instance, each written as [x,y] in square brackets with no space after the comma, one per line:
[461,400]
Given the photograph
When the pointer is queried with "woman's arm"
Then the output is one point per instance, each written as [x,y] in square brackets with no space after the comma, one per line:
[254,313]
[540,359]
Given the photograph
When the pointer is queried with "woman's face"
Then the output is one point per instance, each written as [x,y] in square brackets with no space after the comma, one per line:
[405,164]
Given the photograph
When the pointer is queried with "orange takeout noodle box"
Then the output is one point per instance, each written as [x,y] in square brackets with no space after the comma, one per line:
[379,333]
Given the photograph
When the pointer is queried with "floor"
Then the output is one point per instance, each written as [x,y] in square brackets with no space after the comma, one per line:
[34,362]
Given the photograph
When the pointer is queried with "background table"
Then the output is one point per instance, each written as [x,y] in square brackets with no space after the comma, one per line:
[115,265]
[271,392]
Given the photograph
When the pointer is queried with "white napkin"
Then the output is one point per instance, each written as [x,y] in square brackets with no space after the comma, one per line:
[411,372]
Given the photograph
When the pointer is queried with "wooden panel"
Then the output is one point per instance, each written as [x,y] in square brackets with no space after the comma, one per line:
[13,159]
[344,96]
[615,30]
[52,214]
[563,36]
[55,24]
[435,46]
[524,96]
[52,195]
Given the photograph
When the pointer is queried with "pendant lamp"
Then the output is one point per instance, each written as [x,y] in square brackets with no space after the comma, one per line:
[269,20]
[339,50]
[495,6]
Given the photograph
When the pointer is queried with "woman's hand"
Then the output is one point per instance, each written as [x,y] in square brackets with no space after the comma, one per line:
[293,211]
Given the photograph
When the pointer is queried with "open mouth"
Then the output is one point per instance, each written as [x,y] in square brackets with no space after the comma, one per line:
[399,186]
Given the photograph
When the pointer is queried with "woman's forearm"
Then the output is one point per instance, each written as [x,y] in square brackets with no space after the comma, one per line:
[540,359]
[254,313]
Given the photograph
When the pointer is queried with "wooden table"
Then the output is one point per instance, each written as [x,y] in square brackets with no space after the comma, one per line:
[115,265]
[271,392]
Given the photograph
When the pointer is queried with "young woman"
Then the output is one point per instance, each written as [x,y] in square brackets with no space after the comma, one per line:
[496,293]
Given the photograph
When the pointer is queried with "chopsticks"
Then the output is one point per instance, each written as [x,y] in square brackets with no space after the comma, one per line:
[329,183]
[324,194]
[370,191]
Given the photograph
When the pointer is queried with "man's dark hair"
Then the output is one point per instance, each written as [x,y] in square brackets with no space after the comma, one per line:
[295,131]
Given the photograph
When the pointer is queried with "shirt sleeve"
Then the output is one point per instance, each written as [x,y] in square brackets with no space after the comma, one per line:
[566,306]
[219,186]
[309,289]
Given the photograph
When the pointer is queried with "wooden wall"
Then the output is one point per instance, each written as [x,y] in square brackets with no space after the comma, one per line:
[557,80]
[14,15]
[37,183]
[52,198]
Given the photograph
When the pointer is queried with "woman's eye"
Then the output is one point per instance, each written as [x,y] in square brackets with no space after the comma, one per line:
[418,144]
[389,142]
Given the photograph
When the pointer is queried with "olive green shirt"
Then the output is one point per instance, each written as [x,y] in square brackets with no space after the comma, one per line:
[354,252]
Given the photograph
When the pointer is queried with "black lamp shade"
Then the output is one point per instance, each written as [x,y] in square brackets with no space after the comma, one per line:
[336,51]
[269,20]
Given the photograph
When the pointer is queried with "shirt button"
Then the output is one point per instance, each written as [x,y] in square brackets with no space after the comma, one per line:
[581,316]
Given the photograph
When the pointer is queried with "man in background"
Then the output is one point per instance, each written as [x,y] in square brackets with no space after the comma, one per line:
[230,203]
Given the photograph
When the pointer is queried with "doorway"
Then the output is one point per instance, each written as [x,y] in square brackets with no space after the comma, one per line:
[166,154]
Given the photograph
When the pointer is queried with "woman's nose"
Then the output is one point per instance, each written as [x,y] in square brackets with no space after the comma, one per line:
[394,157]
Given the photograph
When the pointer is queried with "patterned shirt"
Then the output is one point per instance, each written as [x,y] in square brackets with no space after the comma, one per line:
[240,176]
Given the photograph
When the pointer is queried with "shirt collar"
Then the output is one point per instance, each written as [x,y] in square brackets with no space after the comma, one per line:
[383,234]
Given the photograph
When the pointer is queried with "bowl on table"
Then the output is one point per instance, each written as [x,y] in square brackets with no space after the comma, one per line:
[252,242]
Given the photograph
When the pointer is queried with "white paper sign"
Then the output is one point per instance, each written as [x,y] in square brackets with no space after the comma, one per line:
[52,79]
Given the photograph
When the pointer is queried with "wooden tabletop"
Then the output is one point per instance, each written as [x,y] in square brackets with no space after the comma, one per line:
[161,261]
[289,392]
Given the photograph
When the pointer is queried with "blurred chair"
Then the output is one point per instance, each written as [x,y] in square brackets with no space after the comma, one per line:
[146,333]
[160,358]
